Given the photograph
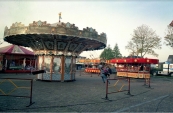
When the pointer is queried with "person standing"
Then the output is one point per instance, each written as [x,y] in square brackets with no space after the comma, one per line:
[100,66]
[103,74]
[109,71]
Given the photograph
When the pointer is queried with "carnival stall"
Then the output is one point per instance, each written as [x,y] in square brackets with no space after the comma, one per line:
[16,59]
[134,67]
[128,68]
[92,65]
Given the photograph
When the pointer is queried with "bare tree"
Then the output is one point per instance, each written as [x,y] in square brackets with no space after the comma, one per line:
[144,41]
[132,48]
[169,35]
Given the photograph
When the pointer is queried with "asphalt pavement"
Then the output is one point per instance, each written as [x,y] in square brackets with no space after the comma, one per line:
[87,94]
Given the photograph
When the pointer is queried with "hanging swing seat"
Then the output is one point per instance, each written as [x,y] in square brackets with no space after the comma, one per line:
[38,72]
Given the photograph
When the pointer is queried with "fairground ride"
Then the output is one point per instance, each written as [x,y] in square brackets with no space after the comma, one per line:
[57,46]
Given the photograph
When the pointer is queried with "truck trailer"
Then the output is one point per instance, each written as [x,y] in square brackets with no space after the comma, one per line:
[164,69]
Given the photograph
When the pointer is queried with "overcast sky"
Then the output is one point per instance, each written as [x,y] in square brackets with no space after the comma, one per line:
[116,18]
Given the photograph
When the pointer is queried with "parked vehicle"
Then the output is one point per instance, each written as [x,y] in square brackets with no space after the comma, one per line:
[163,69]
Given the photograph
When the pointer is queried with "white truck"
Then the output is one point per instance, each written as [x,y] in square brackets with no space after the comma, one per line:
[164,69]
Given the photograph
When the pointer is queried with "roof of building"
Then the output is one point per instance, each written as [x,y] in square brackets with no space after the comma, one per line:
[15,49]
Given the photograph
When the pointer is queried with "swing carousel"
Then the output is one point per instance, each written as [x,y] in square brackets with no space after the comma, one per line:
[56,45]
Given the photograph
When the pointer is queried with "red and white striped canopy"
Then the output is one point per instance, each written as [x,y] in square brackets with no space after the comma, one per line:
[14,49]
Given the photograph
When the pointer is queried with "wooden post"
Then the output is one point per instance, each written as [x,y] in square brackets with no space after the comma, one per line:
[71,70]
[51,66]
[62,68]
[42,67]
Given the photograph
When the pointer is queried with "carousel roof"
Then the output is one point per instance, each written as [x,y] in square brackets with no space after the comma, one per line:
[57,38]
[14,49]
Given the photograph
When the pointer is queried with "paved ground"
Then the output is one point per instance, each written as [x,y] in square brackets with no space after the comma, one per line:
[87,94]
